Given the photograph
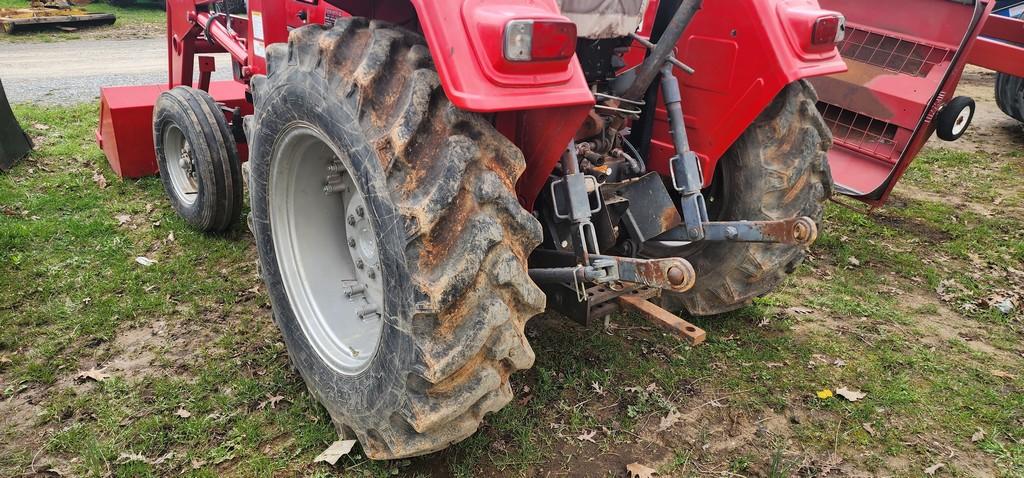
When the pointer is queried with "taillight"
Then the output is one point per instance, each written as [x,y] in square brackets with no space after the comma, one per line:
[539,40]
[829,30]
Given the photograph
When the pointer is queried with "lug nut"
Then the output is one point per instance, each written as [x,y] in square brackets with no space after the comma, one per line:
[351,242]
[731,233]
[351,220]
[371,273]
[368,309]
[356,289]
[360,211]
[336,168]
[360,264]
[334,184]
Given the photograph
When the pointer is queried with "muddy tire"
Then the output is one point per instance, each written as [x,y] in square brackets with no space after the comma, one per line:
[452,240]
[1010,95]
[777,169]
[204,184]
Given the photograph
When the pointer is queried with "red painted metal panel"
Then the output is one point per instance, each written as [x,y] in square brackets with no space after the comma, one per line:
[468,54]
[904,67]
[125,131]
[742,62]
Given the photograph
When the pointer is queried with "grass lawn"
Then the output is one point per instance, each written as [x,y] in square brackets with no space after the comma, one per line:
[195,381]
[143,20]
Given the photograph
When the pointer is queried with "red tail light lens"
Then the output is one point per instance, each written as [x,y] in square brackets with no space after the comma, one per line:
[829,30]
[537,40]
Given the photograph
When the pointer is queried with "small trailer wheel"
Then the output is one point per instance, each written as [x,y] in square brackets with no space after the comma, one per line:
[197,158]
[954,118]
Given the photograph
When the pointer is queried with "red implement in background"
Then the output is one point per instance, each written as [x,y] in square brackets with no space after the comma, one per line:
[905,60]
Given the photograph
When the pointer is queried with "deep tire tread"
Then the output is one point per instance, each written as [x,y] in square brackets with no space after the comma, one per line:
[467,243]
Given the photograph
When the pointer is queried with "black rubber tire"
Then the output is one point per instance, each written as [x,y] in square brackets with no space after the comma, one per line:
[946,120]
[438,183]
[218,203]
[777,169]
[1010,95]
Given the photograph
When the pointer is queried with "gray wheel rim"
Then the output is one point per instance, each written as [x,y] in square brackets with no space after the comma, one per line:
[326,250]
[180,165]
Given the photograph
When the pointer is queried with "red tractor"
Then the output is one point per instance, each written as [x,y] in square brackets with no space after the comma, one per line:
[425,176]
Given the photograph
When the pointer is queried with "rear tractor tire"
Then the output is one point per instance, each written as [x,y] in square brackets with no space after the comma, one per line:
[1010,95]
[777,169]
[390,239]
[197,159]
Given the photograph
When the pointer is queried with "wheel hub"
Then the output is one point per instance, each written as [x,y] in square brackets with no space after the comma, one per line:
[182,173]
[326,247]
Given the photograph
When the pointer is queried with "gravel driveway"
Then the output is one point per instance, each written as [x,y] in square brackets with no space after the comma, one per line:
[73,71]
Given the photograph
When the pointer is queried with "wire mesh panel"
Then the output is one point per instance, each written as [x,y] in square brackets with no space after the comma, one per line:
[892,53]
[861,132]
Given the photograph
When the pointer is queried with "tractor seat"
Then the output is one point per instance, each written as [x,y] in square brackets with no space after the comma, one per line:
[600,19]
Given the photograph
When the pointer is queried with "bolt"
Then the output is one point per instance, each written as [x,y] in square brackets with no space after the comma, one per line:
[694,232]
[336,168]
[368,309]
[360,211]
[371,273]
[731,233]
[360,264]
[675,275]
[353,290]
[351,220]
[801,232]
[334,184]
[351,242]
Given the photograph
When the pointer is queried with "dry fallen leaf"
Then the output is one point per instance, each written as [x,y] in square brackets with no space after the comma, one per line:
[853,261]
[1002,374]
[978,435]
[170,237]
[823,394]
[930,471]
[668,420]
[183,413]
[636,470]
[93,374]
[851,395]
[100,180]
[123,219]
[597,388]
[868,428]
[145,261]
[334,452]
[588,436]
[271,400]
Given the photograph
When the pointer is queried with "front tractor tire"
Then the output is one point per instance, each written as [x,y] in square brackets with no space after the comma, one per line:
[390,239]
[777,169]
[197,159]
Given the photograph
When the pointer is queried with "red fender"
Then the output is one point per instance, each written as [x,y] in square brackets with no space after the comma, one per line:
[744,52]
[466,41]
